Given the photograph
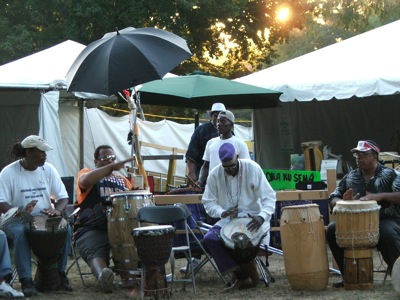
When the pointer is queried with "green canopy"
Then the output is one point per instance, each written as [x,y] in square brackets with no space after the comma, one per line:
[201,91]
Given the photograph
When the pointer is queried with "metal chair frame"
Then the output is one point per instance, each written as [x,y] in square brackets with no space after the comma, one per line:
[167,215]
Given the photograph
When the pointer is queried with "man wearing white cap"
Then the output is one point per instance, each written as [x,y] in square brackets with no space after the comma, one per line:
[30,183]
[198,141]
[370,181]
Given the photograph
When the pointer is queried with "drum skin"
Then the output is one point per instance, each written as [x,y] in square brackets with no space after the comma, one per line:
[243,244]
[304,247]
[47,244]
[122,219]
[357,223]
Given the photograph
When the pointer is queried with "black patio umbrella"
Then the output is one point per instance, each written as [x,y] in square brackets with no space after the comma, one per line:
[124,59]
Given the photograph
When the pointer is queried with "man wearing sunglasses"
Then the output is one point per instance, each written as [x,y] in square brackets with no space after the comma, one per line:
[237,188]
[91,235]
[370,181]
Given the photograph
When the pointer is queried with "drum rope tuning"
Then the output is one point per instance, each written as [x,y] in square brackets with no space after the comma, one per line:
[305,216]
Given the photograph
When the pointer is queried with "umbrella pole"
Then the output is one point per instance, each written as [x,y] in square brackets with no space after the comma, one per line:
[196,119]
[136,145]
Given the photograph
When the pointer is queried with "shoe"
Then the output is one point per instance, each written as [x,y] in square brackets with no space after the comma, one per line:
[338,284]
[28,288]
[6,291]
[65,285]
[169,277]
[106,280]
[194,264]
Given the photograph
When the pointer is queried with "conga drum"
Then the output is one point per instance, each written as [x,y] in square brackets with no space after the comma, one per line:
[154,245]
[47,239]
[304,247]
[396,275]
[122,218]
[357,230]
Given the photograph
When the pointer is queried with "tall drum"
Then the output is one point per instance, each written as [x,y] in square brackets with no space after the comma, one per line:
[304,247]
[47,239]
[122,219]
[357,230]
[154,245]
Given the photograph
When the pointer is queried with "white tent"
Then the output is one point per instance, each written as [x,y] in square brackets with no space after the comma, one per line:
[361,66]
[363,69]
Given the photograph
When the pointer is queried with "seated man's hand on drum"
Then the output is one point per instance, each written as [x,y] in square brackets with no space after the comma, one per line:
[30,206]
[255,223]
[348,195]
[370,196]
[53,212]
[231,212]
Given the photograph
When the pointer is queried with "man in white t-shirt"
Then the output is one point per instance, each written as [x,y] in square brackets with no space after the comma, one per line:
[225,122]
[30,183]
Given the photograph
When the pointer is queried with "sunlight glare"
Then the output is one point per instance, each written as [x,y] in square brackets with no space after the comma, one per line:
[283,14]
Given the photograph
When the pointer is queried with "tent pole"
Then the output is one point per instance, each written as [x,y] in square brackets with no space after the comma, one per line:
[81,104]
[196,119]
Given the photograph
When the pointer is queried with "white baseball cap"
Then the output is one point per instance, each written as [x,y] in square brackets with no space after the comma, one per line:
[33,141]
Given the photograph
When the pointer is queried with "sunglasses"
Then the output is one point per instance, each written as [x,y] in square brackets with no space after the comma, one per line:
[109,157]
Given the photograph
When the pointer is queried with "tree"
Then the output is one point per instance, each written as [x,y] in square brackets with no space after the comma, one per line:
[333,21]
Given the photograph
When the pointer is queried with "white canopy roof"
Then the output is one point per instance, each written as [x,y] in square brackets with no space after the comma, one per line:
[365,65]
[42,69]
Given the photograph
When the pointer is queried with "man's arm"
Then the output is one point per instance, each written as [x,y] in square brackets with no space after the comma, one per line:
[89,179]
[191,166]
[203,173]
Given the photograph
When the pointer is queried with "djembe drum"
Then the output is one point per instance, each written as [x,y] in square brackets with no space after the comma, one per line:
[122,218]
[243,246]
[47,239]
[154,245]
[357,230]
[304,247]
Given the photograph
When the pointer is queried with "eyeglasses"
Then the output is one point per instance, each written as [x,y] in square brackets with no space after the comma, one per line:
[109,157]
[361,154]
[230,166]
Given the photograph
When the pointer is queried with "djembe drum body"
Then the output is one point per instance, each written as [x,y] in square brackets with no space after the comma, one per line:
[243,246]
[122,218]
[357,230]
[154,245]
[47,239]
[304,247]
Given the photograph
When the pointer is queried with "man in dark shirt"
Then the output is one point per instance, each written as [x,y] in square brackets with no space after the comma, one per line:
[198,141]
[370,181]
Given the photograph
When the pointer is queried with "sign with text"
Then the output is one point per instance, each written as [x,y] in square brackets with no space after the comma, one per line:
[287,179]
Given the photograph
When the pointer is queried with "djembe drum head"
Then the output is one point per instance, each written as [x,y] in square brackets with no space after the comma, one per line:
[243,244]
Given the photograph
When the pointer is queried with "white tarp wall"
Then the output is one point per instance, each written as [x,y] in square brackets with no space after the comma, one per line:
[101,128]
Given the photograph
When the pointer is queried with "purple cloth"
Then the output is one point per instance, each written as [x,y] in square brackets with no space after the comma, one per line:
[221,255]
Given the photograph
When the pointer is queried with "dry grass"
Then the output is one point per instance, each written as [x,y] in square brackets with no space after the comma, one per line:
[209,286]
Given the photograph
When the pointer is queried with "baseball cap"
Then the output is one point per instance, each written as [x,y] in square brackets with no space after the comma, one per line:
[227,114]
[364,146]
[33,141]
[227,152]
[217,107]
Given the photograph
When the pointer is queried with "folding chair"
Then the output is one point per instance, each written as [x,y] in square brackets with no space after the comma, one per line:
[195,233]
[69,215]
[167,215]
